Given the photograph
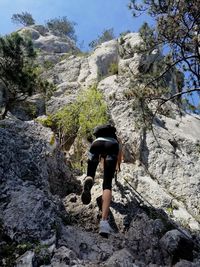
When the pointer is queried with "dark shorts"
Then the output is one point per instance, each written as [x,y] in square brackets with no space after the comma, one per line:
[109,151]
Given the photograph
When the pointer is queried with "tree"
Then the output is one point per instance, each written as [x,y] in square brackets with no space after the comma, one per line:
[177,30]
[25,19]
[148,38]
[16,72]
[106,35]
[62,26]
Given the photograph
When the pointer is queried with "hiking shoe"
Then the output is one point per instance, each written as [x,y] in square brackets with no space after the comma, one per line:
[86,195]
[105,229]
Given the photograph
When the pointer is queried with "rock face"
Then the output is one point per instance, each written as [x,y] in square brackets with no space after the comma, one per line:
[76,72]
[30,171]
[32,107]
[167,163]
[155,206]
[44,40]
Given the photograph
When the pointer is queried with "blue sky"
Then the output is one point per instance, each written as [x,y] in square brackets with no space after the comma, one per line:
[91,16]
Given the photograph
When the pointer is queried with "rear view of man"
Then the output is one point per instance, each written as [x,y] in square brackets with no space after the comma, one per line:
[106,146]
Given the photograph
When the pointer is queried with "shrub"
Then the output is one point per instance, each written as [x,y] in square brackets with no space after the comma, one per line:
[93,111]
[16,71]
[62,26]
[24,18]
[113,69]
[106,35]
[79,118]
[46,121]
[48,64]
[66,121]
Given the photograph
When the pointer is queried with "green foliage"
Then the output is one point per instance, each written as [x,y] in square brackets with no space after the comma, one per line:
[79,118]
[106,35]
[62,26]
[93,111]
[24,18]
[148,38]
[171,207]
[23,247]
[66,122]
[39,247]
[47,88]
[177,30]
[52,140]
[151,83]
[16,72]
[42,254]
[30,109]
[10,249]
[46,121]
[113,69]
[48,64]
[142,96]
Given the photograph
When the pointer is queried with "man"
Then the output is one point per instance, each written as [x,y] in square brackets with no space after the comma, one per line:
[106,146]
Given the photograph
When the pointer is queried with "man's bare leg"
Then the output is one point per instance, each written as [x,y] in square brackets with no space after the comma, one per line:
[106,199]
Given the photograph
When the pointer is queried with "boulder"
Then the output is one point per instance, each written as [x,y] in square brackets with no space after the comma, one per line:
[33,173]
[29,109]
[178,244]
[120,259]
[28,32]
[55,44]
[100,61]
[26,260]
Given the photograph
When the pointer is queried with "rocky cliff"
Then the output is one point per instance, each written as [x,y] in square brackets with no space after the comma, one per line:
[155,207]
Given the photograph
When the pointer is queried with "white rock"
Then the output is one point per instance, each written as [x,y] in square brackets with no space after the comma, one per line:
[26,260]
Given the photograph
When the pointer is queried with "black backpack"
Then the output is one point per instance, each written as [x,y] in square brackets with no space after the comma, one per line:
[106,130]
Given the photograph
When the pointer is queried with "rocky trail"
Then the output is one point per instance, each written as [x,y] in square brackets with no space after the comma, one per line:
[156,197]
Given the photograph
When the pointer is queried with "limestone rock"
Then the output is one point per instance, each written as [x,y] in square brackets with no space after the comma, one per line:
[178,245]
[185,263]
[29,109]
[46,41]
[54,44]
[2,98]
[65,94]
[127,44]
[101,59]
[29,32]
[170,160]
[156,191]
[26,260]
[64,257]
[120,259]
[40,28]
[31,169]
